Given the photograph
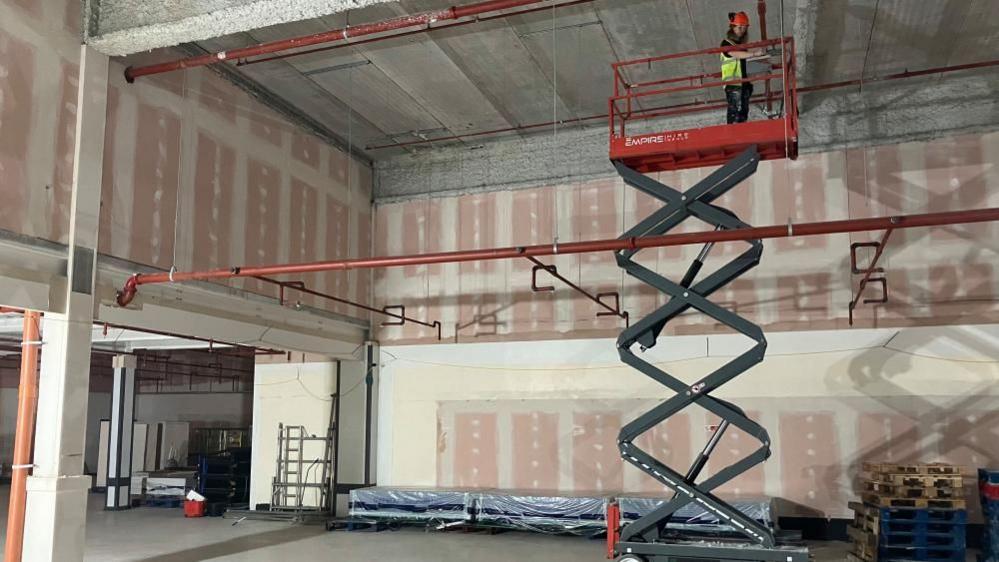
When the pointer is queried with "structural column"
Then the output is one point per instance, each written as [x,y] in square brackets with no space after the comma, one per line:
[120,433]
[57,490]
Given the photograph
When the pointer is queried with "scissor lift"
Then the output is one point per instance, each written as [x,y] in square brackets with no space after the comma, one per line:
[738,148]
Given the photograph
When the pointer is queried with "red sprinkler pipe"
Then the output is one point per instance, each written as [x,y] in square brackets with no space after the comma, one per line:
[27,402]
[344,34]
[131,286]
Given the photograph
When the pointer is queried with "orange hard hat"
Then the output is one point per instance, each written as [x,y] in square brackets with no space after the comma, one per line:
[738,18]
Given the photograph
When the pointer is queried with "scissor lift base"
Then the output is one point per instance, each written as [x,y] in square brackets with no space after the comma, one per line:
[709,552]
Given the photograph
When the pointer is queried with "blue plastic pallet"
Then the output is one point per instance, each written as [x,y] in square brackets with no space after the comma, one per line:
[911,526]
[929,554]
[952,540]
[922,515]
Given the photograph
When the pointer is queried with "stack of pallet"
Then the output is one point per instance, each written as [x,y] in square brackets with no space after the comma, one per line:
[910,512]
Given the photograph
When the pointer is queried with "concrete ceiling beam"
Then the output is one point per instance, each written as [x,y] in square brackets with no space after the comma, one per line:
[123,27]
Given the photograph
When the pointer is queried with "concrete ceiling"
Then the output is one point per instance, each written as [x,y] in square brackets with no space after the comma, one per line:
[512,71]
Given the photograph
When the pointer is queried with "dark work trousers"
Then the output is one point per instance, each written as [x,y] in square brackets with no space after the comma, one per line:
[738,102]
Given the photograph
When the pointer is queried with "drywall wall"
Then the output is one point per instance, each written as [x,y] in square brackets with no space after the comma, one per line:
[546,414]
[197,173]
[939,276]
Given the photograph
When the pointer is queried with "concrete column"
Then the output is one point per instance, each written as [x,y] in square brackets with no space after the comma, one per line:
[57,490]
[120,433]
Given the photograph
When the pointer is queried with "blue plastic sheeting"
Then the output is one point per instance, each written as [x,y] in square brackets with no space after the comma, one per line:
[538,511]
[693,518]
[415,504]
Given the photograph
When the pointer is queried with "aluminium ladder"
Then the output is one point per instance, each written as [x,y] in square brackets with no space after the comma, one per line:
[643,539]
[292,476]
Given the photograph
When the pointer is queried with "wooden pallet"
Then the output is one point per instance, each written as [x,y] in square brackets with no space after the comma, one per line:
[860,536]
[922,503]
[930,469]
[903,491]
[868,523]
[864,543]
[925,480]
[863,509]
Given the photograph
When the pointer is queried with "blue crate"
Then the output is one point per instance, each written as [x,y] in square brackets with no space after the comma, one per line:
[930,554]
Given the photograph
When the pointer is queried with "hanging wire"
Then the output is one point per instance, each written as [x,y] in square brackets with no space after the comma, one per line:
[789,196]
[176,207]
[555,122]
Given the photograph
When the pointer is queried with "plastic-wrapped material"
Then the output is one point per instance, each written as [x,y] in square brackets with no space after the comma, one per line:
[695,519]
[416,504]
[538,511]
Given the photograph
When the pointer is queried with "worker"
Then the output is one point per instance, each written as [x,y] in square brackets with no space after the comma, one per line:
[733,67]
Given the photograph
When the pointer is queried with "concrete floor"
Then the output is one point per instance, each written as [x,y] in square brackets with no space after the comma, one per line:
[165,535]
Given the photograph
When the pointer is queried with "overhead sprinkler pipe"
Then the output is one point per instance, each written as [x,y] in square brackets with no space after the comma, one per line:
[476,20]
[343,34]
[131,286]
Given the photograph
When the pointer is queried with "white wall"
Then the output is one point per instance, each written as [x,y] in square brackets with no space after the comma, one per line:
[299,394]
[99,406]
[220,409]
[860,388]
[289,394]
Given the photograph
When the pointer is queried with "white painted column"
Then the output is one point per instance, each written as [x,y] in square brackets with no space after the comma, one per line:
[120,433]
[57,490]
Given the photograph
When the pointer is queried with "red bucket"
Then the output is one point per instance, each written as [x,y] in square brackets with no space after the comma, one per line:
[194,508]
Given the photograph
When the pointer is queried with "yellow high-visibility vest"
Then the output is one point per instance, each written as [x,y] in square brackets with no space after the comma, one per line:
[731,67]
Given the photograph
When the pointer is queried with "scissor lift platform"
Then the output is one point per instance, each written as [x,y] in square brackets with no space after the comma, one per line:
[643,105]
